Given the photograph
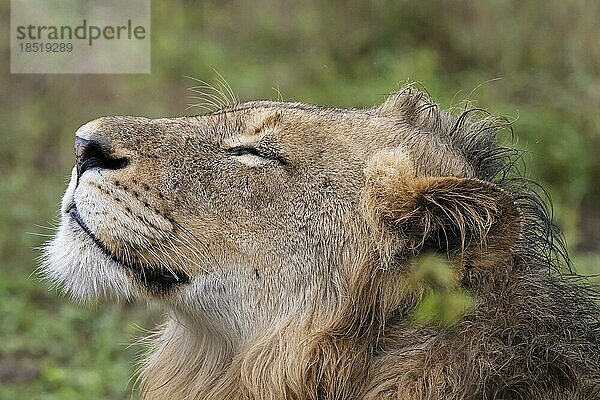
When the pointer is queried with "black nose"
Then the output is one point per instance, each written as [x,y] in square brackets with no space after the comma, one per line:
[91,154]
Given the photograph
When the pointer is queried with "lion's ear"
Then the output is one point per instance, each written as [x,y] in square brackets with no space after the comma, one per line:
[474,220]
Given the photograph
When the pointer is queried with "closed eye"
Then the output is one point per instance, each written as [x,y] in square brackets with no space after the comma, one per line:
[256,156]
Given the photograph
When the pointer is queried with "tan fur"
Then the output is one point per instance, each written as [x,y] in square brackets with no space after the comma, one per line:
[290,230]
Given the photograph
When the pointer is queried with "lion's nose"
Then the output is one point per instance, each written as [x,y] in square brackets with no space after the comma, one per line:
[92,154]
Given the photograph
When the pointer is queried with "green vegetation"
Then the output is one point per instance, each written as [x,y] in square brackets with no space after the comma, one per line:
[442,303]
[537,62]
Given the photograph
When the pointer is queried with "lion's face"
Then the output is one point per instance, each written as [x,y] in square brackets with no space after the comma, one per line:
[251,206]
[245,214]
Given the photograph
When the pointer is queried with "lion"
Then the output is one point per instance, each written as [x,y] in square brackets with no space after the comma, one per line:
[279,237]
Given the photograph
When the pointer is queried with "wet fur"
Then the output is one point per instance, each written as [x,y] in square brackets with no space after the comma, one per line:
[534,333]
[332,320]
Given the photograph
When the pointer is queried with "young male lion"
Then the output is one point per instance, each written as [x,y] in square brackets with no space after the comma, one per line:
[279,237]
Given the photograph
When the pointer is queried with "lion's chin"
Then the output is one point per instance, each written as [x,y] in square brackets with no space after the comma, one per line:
[73,262]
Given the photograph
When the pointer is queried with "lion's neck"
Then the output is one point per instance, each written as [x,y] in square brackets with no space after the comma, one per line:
[294,360]
[321,348]
[182,363]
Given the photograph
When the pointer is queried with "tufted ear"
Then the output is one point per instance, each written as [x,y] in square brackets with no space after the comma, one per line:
[407,104]
[471,220]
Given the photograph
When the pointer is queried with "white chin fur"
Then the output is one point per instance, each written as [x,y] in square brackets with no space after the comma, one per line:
[73,262]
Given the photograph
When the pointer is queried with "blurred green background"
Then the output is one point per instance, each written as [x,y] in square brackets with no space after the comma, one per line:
[536,62]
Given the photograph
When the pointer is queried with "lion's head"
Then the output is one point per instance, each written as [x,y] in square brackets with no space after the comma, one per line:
[268,220]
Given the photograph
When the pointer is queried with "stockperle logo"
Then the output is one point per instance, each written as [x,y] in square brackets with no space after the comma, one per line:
[80,36]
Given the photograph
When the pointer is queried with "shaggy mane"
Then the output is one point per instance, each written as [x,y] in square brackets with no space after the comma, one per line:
[535,333]
[549,342]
